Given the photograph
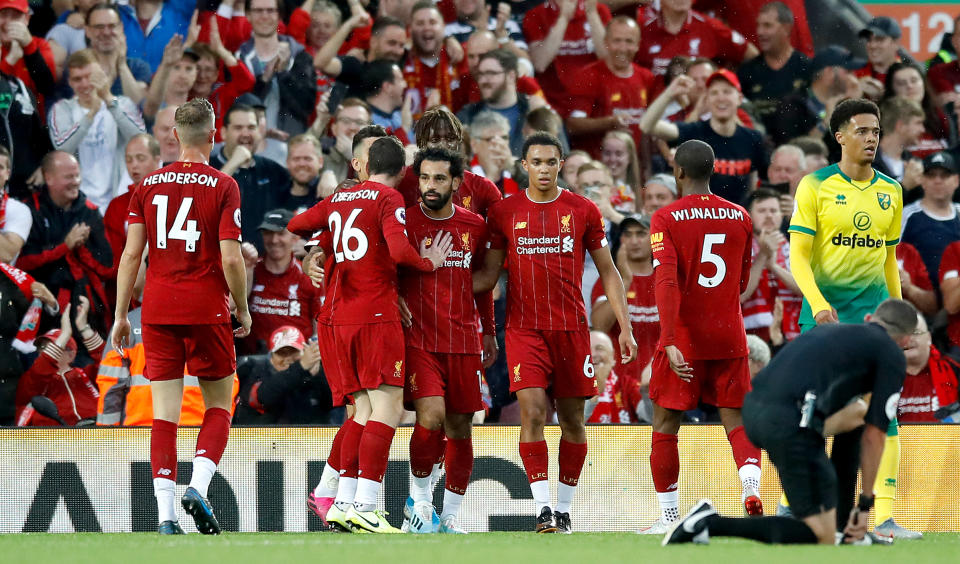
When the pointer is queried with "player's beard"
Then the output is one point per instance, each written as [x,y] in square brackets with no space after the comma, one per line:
[438,204]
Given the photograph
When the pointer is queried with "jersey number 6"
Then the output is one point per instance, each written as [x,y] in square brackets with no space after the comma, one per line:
[349,233]
[189,236]
[709,240]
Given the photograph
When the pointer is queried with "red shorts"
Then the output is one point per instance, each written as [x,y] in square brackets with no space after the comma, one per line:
[207,350]
[371,356]
[331,361]
[720,383]
[558,361]
[454,377]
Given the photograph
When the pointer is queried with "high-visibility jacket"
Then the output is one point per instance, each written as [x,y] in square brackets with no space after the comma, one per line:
[125,397]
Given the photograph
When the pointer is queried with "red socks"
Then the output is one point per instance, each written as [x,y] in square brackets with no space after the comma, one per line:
[163,449]
[664,462]
[333,459]
[744,452]
[351,432]
[375,450]
[214,432]
[570,458]
[459,464]
[426,447]
[535,460]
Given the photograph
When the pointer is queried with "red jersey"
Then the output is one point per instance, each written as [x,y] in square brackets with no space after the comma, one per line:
[930,389]
[602,93]
[476,193]
[619,400]
[288,298]
[950,268]
[576,50]
[945,77]
[701,254]
[644,319]
[742,16]
[909,259]
[758,309]
[442,302]
[369,240]
[187,208]
[700,36]
[546,243]
[868,70]
[115,223]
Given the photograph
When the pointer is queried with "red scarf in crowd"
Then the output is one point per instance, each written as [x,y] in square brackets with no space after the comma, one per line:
[442,82]
[31,321]
[943,376]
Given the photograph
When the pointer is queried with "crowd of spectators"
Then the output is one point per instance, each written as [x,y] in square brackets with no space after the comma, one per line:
[88,90]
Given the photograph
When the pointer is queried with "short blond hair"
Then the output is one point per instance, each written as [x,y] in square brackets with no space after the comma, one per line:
[82,58]
[194,121]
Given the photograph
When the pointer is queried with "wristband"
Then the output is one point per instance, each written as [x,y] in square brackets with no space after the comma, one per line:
[865,502]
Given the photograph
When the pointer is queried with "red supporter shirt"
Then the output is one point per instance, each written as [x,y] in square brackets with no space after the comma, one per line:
[20,70]
[945,77]
[476,193]
[115,223]
[758,309]
[618,402]
[742,16]
[644,319]
[868,70]
[701,250]
[909,259]
[187,208]
[546,244]
[442,303]
[369,241]
[282,299]
[701,36]
[949,269]
[576,50]
[918,398]
[602,93]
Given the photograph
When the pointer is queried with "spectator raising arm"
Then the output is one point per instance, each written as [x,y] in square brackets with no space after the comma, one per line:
[172,54]
[543,52]
[651,123]
[326,59]
[131,87]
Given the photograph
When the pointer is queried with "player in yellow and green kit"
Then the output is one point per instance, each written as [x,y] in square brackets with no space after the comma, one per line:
[843,238]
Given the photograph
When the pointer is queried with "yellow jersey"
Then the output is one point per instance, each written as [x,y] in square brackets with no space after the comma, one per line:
[852,224]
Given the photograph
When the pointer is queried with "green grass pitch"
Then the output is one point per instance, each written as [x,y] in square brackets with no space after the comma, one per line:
[487,548]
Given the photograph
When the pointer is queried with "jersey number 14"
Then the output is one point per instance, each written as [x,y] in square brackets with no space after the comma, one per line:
[183,229]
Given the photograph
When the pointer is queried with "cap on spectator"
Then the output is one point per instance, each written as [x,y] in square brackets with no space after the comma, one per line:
[287,336]
[276,220]
[638,218]
[664,179]
[18,5]
[835,56]
[940,160]
[188,52]
[725,74]
[247,99]
[883,26]
[54,334]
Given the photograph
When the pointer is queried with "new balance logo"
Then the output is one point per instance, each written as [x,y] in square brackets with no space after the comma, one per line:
[201,452]
[752,461]
[164,471]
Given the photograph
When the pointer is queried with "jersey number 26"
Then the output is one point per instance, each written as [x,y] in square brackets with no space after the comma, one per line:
[353,240]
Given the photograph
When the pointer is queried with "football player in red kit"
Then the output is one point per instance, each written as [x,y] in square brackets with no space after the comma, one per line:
[189,214]
[545,232]
[701,254]
[368,242]
[444,362]
[339,477]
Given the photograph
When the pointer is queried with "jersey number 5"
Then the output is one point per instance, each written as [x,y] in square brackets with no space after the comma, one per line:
[349,234]
[189,235]
[709,240]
